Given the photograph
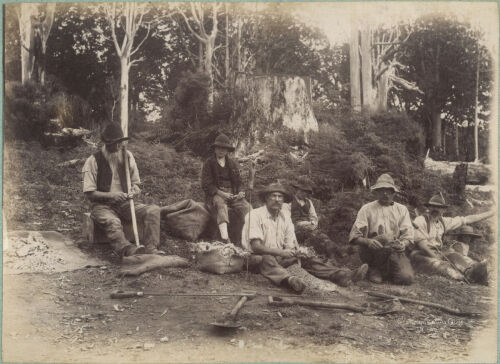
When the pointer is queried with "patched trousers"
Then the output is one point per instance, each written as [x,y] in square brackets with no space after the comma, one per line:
[394,266]
[109,219]
[274,268]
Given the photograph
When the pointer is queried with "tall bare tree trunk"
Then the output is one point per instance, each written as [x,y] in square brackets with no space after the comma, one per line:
[226,60]
[354,64]
[200,55]
[124,95]
[366,68]
[435,110]
[26,12]
[457,145]
[44,28]
[238,45]
[476,102]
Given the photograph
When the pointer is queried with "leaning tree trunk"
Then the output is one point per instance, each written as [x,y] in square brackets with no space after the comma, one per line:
[266,105]
[27,40]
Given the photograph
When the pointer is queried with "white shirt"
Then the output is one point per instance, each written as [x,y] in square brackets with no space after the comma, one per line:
[435,231]
[274,232]
[375,219]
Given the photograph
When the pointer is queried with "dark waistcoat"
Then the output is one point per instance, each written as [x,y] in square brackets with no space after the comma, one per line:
[105,175]
[300,213]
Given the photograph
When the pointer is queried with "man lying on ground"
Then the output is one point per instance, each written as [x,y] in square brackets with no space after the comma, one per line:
[305,220]
[429,256]
[220,180]
[105,185]
[269,234]
[383,230]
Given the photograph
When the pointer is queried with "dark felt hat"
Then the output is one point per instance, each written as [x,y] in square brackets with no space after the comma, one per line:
[465,230]
[275,187]
[112,133]
[436,201]
[222,141]
[303,183]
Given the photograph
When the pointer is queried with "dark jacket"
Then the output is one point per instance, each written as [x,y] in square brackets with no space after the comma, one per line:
[300,213]
[210,176]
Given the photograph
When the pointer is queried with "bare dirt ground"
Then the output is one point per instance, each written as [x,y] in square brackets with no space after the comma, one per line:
[69,317]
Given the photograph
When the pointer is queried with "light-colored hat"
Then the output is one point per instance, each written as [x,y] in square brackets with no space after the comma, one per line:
[436,201]
[275,187]
[384,181]
[465,230]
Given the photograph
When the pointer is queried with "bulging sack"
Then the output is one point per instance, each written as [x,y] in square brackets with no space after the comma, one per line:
[186,219]
[219,258]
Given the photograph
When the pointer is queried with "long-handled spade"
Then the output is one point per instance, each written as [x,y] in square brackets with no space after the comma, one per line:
[131,201]
[229,322]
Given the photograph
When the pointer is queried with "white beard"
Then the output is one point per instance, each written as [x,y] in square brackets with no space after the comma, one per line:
[114,159]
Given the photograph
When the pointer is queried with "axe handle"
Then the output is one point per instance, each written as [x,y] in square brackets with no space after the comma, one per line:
[131,201]
[280,301]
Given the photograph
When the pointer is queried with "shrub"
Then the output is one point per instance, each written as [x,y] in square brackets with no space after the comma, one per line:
[26,112]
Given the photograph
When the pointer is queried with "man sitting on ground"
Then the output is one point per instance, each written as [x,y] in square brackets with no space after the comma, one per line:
[220,180]
[305,221]
[383,231]
[105,185]
[428,255]
[269,234]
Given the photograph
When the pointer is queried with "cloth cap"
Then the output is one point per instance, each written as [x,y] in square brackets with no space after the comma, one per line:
[112,133]
[465,230]
[275,187]
[436,201]
[223,141]
[384,181]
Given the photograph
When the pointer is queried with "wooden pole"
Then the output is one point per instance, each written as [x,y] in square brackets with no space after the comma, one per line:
[131,201]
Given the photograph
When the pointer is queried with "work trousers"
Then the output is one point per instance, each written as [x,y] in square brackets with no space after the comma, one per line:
[441,266]
[109,218]
[394,267]
[273,268]
[219,208]
[318,240]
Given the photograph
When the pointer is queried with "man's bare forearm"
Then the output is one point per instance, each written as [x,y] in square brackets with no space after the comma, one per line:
[471,219]
[260,249]
[98,196]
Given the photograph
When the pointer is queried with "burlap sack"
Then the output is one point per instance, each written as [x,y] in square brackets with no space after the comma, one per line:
[214,261]
[186,219]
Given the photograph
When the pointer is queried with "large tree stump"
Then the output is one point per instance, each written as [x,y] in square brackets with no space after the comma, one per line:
[266,105]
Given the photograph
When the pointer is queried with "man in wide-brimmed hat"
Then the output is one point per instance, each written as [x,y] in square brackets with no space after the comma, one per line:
[221,182]
[305,220]
[383,231]
[269,235]
[105,185]
[429,255]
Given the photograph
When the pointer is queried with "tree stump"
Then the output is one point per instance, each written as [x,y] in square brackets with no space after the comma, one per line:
[265,105]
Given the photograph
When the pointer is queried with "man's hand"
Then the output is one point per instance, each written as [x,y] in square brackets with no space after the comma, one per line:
[287,253]
[373,244]
[117,197]
[239,196]
[134,192]
[225,195]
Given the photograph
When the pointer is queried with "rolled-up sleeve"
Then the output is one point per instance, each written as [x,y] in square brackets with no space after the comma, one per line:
[452,223]
[89,175]
[134,171]
[251,230]
[360,227]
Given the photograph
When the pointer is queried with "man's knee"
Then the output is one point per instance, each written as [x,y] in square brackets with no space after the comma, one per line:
[218,202]
[153,210]
[269,260]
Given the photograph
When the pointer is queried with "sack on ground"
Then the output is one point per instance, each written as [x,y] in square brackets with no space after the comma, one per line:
[219,258]
[186,219]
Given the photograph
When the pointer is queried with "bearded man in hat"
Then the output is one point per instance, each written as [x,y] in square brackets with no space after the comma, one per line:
[105,186]
[269,235]
[429,256]
[305,220]
[383,231]
[221,182]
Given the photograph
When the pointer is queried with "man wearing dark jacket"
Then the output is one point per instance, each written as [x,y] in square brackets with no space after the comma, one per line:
[221,182]
[105,186]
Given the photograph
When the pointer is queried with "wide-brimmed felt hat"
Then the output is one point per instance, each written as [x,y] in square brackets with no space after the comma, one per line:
[303,183]
[112,133]
[384,181]
[275,187]
[465,230]
[222,141]
[436,201]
